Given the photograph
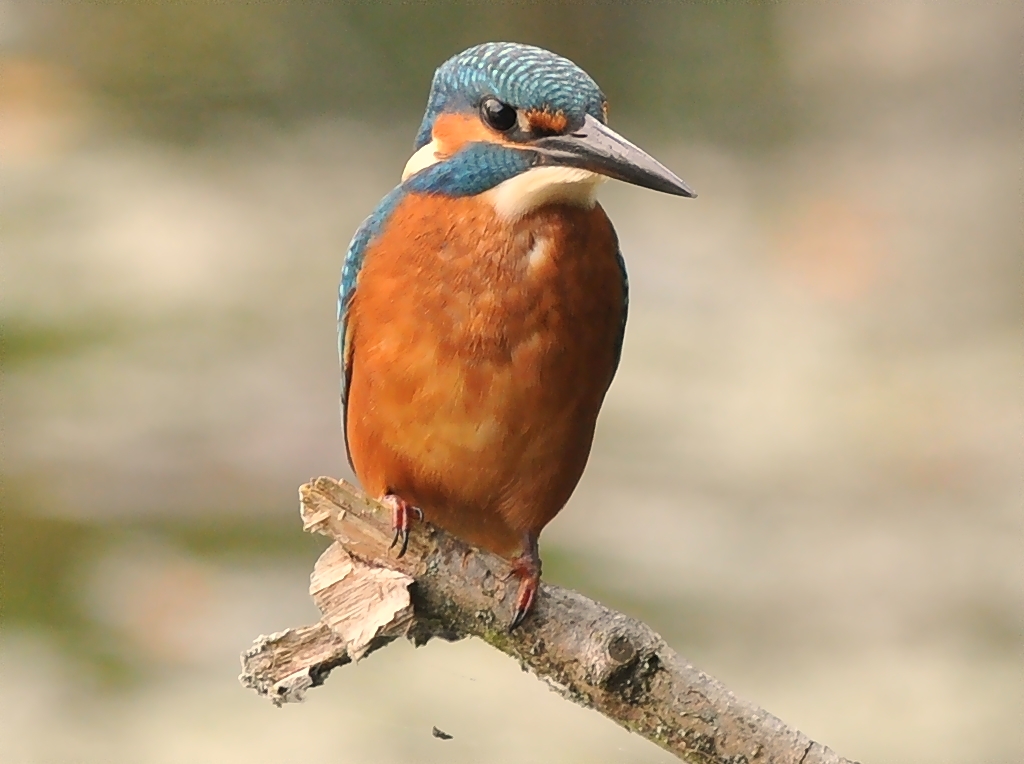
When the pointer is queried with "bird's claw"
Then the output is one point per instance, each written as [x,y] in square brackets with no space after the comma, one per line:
[526,568]
[401,512]
[524,601]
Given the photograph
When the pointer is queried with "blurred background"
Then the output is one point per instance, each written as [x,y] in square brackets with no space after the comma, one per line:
[807,474]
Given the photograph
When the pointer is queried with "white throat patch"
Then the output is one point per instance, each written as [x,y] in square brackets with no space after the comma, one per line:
[544,185]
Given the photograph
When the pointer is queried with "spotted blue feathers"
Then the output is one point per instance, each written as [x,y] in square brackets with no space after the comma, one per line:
[478,167]
[520,75]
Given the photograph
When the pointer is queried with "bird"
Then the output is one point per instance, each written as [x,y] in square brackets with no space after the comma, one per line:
[482,305]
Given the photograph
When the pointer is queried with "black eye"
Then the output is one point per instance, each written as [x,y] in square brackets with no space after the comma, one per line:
[498,115]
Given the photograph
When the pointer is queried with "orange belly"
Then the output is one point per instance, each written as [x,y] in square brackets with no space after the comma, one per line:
[481,353]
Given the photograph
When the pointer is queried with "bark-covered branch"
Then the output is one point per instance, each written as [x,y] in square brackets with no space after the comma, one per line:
[443,588]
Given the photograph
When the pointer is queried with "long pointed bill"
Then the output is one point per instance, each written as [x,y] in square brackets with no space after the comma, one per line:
[598,148]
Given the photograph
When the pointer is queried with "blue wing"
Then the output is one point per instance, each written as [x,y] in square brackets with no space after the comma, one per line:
[354,259]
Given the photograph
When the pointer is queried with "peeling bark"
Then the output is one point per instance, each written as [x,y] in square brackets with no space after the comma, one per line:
[586,652]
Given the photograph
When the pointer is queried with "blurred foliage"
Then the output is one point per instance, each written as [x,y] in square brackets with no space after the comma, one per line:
[706,71]
[260,539]
[22,342]
[45,557]
[42,559]
[699,621]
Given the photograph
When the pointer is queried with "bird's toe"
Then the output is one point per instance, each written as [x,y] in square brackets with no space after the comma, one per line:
[401,520]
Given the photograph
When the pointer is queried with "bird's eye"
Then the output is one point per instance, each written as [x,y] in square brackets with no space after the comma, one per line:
[498,115]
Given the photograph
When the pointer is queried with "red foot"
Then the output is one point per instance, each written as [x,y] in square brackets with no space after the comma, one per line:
[401,519]
[526,568]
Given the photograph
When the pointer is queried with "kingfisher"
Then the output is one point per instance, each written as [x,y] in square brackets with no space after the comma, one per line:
[483,304]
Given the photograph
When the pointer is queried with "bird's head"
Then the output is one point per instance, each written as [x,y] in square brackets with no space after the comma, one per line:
[532,122]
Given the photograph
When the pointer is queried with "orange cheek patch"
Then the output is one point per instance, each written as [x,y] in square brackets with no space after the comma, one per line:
[453,131]
[547,122]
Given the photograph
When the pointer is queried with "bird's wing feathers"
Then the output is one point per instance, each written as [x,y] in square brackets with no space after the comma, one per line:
[354,259]
[625,308]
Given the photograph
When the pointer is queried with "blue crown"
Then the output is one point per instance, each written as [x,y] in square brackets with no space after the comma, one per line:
[523,76]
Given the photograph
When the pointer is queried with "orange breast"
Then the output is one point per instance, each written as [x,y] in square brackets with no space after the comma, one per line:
[481,353]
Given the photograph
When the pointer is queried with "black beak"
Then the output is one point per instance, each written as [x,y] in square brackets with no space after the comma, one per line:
[598,148]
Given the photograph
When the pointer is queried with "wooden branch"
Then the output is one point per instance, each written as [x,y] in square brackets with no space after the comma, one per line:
[587,653]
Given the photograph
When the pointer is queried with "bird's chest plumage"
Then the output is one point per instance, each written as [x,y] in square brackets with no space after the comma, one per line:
[481,352]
